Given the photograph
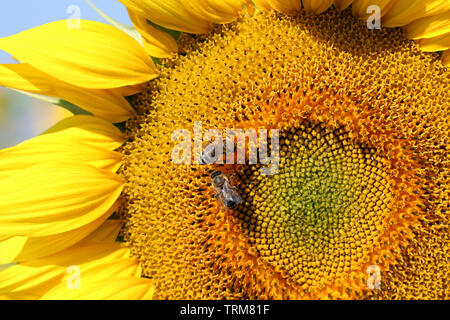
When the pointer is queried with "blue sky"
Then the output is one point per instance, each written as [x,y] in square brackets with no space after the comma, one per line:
[22,117]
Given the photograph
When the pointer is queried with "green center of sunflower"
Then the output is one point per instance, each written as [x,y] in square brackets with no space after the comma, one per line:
[323,208]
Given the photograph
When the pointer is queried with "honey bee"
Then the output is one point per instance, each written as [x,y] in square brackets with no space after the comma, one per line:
[226,195]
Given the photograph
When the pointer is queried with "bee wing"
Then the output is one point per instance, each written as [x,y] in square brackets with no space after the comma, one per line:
[218,196]
[221,205]
[217,190]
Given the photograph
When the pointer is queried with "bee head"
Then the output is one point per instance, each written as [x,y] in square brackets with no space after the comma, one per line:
[215,174]
[218,178]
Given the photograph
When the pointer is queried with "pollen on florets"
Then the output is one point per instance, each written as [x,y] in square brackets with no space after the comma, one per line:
[363,181]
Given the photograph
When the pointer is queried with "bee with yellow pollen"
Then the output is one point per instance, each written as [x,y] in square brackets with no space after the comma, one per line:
[358,208]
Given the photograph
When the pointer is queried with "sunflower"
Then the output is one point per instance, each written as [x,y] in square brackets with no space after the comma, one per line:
[95,208]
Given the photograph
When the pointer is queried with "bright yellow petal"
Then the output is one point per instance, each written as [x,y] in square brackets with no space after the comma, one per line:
[19,249]
[107,104]
[13,296]
[157,42]
[262,4]
[439,43]
[107,233]
[342,4]
[446,58]
[104,268]
[429,27]
[403,12]
[131,90]
[359,7]
[110,289]
[51,198]
[22,76]
[50,148]
[36,277]
[96,56]
[316,6]
[170,14]
[217,11]
[28,283]
[284,6]
[86,129]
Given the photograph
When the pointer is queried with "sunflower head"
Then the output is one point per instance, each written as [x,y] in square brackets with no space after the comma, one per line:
[353,118]
[358,119]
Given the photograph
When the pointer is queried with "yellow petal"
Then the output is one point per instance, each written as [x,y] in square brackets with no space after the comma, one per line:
[107,233]
[438,43]
[96,56]
[262,4]
[429,27]
[19,249]
[316,6]
[107,104]
[284,6]
[28,283]
[217,11]
[446,58]
[403,12]
[36,277]
[51,198]
[22,76]
[110,289]
[101,265]
[49,148]
[157,42]
[342,4]
[13,296]
[170,14]
[359,7]
[86,129]
[131,90]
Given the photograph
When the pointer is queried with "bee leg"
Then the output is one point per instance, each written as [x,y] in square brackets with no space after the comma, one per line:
[232,177]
